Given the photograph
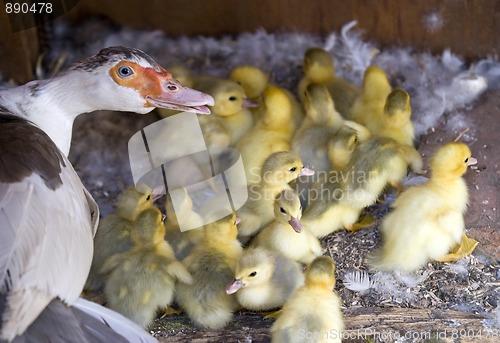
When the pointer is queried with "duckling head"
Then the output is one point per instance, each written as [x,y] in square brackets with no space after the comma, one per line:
[149,228]
[224,228]
[254,268]
[341,147]
[133,200]
[321,273]
[319,105]
[451,161]
[287,209]
[252,79]
[397,108]
[376,85]
[318,64]
[229,98]
[282,167]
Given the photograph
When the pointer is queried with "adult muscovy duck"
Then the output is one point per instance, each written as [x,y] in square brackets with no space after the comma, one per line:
[47,217]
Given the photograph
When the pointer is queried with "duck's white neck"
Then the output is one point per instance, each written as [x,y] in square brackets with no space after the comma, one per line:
[54,104]
[51,104]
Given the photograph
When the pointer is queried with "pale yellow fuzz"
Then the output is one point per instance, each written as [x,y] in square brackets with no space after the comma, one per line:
[279,235]
[319,68]
[313,309]
[427,220]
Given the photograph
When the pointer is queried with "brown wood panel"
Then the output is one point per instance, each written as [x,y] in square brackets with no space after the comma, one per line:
[18,51]
[469,27]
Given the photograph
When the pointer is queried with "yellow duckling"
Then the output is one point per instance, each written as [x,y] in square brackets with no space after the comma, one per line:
[143,279]
[286,235]
[312,314]
[230,111]
[321,124]
[395,122]
[184,76]
[278,170]
[272,133]
[183,241]
[253,80]
[264,280]
[212,263]
[428,219]
[339,196]
[319,68]
[113,234]
[370,103]
[384,112]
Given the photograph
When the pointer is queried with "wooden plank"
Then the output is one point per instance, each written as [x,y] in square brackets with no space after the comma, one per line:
[468,27]
[386,324]
[18,51]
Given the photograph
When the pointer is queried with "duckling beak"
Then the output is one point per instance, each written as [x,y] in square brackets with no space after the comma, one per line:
[234,286]
[174,96]
[306,172]
[296,225]
[238,220]
[247,103]
[158,192]
[472,161]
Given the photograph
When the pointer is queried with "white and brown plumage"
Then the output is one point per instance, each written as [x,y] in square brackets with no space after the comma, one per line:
[47,218]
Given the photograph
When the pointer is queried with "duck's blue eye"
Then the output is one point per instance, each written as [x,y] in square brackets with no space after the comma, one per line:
[125,71]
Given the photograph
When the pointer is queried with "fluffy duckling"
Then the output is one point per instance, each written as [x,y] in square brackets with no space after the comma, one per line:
[212,263]
[230,111]
[338,197]
[143,279]
[277,171]
[264,280]
[395,122]
[286,235]
[314,309]
[272,133]
[371,101]
[427,219]
[253,80]
[183,241]
[384,112]
[113,234]
[321,124]
[319,68]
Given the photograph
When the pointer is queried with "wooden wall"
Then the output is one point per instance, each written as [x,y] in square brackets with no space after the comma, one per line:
[469,27]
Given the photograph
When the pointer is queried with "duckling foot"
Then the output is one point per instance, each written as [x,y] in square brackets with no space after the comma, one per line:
[273,314]
[465,248]
[169,310]
[365,222]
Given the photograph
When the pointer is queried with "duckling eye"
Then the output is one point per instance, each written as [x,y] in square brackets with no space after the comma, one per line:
[252,274]
[125,71]
[232,98]
[148,197]
[292,169]
[282,210]
[466,160]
